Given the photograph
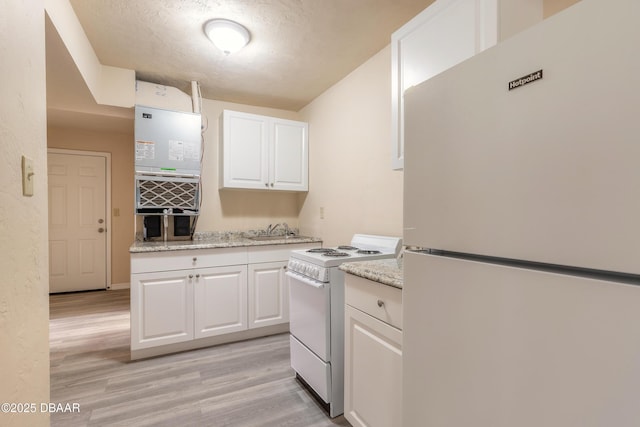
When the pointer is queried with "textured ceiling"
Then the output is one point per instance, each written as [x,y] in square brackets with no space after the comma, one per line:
[298,48]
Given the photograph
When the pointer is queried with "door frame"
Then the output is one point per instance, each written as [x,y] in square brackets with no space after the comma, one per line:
[107,219]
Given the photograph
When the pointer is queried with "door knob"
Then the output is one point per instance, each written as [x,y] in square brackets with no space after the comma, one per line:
[100,221]
[100,230]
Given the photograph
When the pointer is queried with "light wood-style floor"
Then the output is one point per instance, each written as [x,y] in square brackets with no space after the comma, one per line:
[241,384]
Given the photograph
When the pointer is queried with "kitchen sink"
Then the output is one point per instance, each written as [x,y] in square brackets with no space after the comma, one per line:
[267,238]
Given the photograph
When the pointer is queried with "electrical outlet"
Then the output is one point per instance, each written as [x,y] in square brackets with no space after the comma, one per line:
[321,212]
[116,211]
[27,176]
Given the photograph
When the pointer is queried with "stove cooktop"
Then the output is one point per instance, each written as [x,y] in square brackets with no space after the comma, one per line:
[362,248]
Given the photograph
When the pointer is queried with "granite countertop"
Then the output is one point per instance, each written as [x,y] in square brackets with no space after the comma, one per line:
[385,271]
[214,240]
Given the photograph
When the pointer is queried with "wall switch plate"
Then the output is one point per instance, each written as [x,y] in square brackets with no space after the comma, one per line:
[27,176]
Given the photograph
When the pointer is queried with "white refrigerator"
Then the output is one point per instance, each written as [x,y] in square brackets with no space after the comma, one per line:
[522,198]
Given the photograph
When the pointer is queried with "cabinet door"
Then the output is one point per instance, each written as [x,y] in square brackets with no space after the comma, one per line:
[443,35]
[220,300]
[161,309]
[289,155]
[268,294]
[373,371]
[244,149]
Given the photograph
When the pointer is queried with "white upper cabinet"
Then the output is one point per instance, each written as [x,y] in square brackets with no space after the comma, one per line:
[263,153]
[443,35]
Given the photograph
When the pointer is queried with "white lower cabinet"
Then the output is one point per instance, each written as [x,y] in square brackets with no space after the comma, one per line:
[208,295]
[161,309]
[177,306]
[373,355]
[220,300]
[268,294]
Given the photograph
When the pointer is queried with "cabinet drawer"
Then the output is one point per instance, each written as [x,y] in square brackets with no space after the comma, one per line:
[183,260]
[274,253]
[380,301]
[315,371]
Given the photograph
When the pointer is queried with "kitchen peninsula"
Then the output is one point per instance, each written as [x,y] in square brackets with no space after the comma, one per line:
[220,287]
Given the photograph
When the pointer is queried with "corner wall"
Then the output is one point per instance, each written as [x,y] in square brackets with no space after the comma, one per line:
[24,264]
[350,176]
[551,7]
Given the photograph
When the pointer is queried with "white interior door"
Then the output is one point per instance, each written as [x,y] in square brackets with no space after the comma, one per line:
[77,222]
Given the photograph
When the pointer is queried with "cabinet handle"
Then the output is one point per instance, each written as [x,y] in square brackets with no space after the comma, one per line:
[272,184]
[197,276]
[195,259]
[380,303]
[266,184]
[191,276]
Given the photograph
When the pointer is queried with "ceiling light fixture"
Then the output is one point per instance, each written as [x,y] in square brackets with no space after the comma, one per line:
[226,35]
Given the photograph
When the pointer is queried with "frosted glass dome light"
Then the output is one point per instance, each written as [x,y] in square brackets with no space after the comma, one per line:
[226,35]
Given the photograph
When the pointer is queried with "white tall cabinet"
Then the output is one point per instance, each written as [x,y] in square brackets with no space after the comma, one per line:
[443,35]
[263,153]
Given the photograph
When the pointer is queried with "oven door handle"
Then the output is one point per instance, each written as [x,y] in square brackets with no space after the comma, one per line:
[318,285]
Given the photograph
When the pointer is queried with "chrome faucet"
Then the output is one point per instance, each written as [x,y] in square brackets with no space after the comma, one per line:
[271,228]
[287,231]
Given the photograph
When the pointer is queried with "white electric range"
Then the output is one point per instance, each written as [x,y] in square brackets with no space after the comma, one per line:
[316,312]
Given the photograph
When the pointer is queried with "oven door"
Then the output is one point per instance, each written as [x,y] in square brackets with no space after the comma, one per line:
[310,314]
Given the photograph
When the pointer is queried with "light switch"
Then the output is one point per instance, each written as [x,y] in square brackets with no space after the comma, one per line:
[116,211]
[27,176]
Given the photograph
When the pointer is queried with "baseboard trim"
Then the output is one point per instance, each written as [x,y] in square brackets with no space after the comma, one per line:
[118,286]
[209,341]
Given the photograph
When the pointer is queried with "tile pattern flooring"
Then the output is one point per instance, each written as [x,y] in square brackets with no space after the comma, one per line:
[240,384]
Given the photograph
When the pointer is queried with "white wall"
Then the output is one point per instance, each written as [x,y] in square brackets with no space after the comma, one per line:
[24,282]
[350,176]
